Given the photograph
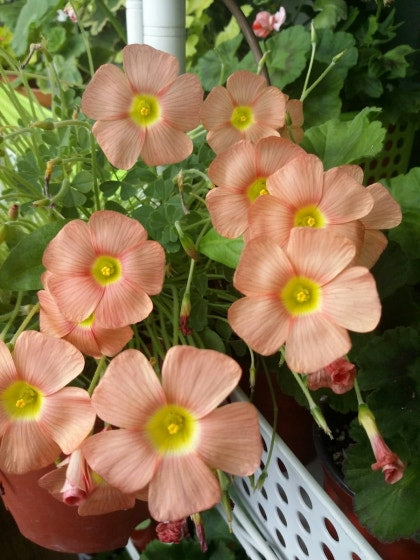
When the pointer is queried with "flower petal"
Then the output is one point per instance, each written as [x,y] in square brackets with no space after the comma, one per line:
[144,266]
[224,137]
[164,145]
[129,392]
[198,379]
[273,152]
[386,212]
[124,458]
[271,219]
[343,198]
[374,244]
[235,167]
[182,485]
[120,140]
[228,211]
[108,95]
[113,233]
[230,439]
[244,86]
[122,304]
[68,417]
[47,362]
[51,320]
[76,296]
[105,499]
[269,108]
[141,63]
[181,102]
[217,109]
[8,372]
[263,324]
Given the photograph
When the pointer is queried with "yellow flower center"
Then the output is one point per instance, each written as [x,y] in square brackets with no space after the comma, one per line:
[172,430]
[106,270]
[88,322]
[22,401]
[144,110]
[309,216]
[301,295]
[257,188]
[242,117]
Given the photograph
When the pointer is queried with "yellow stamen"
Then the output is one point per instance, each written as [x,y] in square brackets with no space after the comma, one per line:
[106,270]
[145,110]
[257,188]
[22,401]
[172,430]
[309,216]
[301,295]
[242,117]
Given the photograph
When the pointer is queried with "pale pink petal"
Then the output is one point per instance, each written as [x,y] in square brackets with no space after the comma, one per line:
[76,296]
[121,141]
[181,102]
[222,138]
[270,218]
[5,420]
[314,342]
[217,108]
[294,108]
[230,439]
[319,254]
[105,499]
[273,152]
[84,339]
[111,341]
[53,482]
[123,458]
[108,95]
[386,212]
[244,86]
[113,233]
[263,269]
[258,131]
[68,417]
[228,211]
[122,304]
[164,145]
[262,324]
[149,69]
[47,362]
[7,367]
[129,392]
[299,182]
[182,485]
[374,244]
[352,300]
[198,379]
[144,266]
[355,171]
[269,108]
[26,447]
[353,231]
[51,320]
[343,198]
[235,168]
[70,252]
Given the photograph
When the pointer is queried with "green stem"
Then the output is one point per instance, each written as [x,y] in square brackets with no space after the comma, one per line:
[85,40]
[311,62]
[97,374]
[25,322]
[360,400]
[322,76]
[13,315]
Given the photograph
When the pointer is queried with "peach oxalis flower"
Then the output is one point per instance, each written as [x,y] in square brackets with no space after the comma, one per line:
[304,296]
[246,109]
[75,484]
[301,194]
[144,112]
[39,416]
[106,267]
[172,435]
[240,174]
[89,337]
[391,465]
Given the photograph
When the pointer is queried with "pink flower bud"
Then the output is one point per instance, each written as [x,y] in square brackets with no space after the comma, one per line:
[172,531]
[265,22]
[338,376]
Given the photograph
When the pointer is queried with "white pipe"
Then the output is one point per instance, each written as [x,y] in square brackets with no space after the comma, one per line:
[134,21]
[164,27]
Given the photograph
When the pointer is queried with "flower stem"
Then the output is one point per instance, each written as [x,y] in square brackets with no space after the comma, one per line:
[25,322]
[311,62]
[97,374]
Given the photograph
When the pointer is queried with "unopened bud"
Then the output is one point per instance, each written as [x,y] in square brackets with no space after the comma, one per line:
[320,420]
[187,243]
[13,212]
[45,125]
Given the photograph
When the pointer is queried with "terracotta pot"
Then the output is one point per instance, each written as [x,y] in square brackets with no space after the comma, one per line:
[44,99]
[49,523]
[342,495]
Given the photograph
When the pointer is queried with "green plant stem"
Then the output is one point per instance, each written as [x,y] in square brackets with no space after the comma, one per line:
[85,40]
[175,315]
[97,374]
[25,322]
[322,76]
[13,315]
[311,62]
[360,400]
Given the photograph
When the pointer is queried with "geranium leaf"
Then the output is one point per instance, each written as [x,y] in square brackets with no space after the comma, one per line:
[23,267]
[220,249]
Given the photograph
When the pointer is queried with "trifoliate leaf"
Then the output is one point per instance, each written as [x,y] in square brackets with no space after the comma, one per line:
[221,249]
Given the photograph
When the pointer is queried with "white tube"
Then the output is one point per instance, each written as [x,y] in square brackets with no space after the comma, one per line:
[134,21]
[164,27]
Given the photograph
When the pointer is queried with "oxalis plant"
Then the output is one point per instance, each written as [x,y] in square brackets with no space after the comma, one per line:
[154,242]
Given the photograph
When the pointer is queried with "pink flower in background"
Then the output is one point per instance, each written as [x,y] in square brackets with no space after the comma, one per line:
[89,337]
[106,267]
[338,376]
[265,22]
[172,436]
[240,174]
[304,296]
[75,484]
[391,465]
[144,112]
[39,416]
[246,109]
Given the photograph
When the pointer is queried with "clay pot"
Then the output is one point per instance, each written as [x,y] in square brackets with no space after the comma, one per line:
[342,495]
[52,524]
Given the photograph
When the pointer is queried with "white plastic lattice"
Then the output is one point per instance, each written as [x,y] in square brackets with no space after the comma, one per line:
[291,517]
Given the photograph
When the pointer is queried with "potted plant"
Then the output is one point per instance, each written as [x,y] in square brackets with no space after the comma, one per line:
[136,272]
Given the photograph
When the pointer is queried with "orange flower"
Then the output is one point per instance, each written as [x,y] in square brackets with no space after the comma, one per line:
[106,267]
[304,296]
[39,416]
[171,435]
[246,109]
[144,112]
[240,175]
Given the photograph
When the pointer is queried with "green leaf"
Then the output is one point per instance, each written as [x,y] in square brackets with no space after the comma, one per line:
[82,181]
[391,271]
[157,550]
[331,12]
[220,249]
[340,142]
[22,269]
[56,37]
